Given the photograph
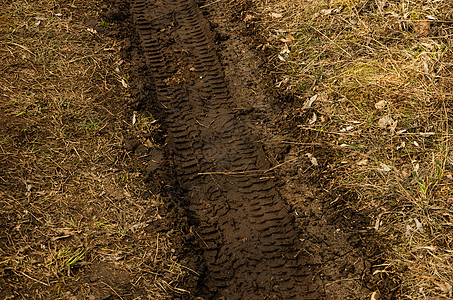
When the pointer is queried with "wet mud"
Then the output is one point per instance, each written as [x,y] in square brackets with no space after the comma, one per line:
[252,237]
[251,246]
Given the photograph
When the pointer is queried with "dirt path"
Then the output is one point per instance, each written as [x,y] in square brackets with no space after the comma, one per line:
[251,243]
[265,222]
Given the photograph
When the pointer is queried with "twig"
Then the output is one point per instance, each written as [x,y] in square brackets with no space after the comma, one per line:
[304,144]
[231,173]
[249,172]
[427,278]
[327,132]
[206,5]
[79,58]
[22,47]
[196,233]
[279,165]
[46,284]
[187,268]
[112,290]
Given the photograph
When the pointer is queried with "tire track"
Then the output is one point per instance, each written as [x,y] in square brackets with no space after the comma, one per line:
[252,249]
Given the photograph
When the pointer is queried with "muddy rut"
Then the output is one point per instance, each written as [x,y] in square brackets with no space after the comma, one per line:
[251,244]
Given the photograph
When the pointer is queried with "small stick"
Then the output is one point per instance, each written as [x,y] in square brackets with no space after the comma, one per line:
[112,290]
[249,172]
[20,46]
[230,173]
[206,5]
[279,165]
[193,231]
[46,284]
[427,278]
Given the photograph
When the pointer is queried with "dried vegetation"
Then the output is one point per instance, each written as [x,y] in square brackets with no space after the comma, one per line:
[75,214]
[373,80]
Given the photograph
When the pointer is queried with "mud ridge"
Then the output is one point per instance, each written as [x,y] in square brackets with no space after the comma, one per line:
[251,243]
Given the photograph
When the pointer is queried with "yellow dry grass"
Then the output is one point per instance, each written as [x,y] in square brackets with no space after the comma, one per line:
[382,73]
[73,204]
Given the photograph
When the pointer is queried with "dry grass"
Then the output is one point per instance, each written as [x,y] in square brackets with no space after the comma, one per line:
[382,71]
[73,208]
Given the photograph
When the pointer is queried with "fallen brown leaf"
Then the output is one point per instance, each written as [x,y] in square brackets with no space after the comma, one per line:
[422,28]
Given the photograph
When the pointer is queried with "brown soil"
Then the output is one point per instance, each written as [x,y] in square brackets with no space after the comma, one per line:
[250,215]
[207,82]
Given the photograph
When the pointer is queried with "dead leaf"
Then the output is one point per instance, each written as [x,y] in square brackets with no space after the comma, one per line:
[63,233]
[385,121]
[444,287]
[276,15]
[425,66]
[310,101]
[289,38]
[362,162]
[138,226]
[385,168]
[380,105]
[91,30]
[405,174]
[393,126]
[124,83]
[419,225]
[375,295]
[326,12]
[148,143]
[427,134]
[408,230]
[313,119]
[430,248]
[285,50]
[349,128]
[248,18]
[377,224]
[422,28]
[313,159]
[403,144]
